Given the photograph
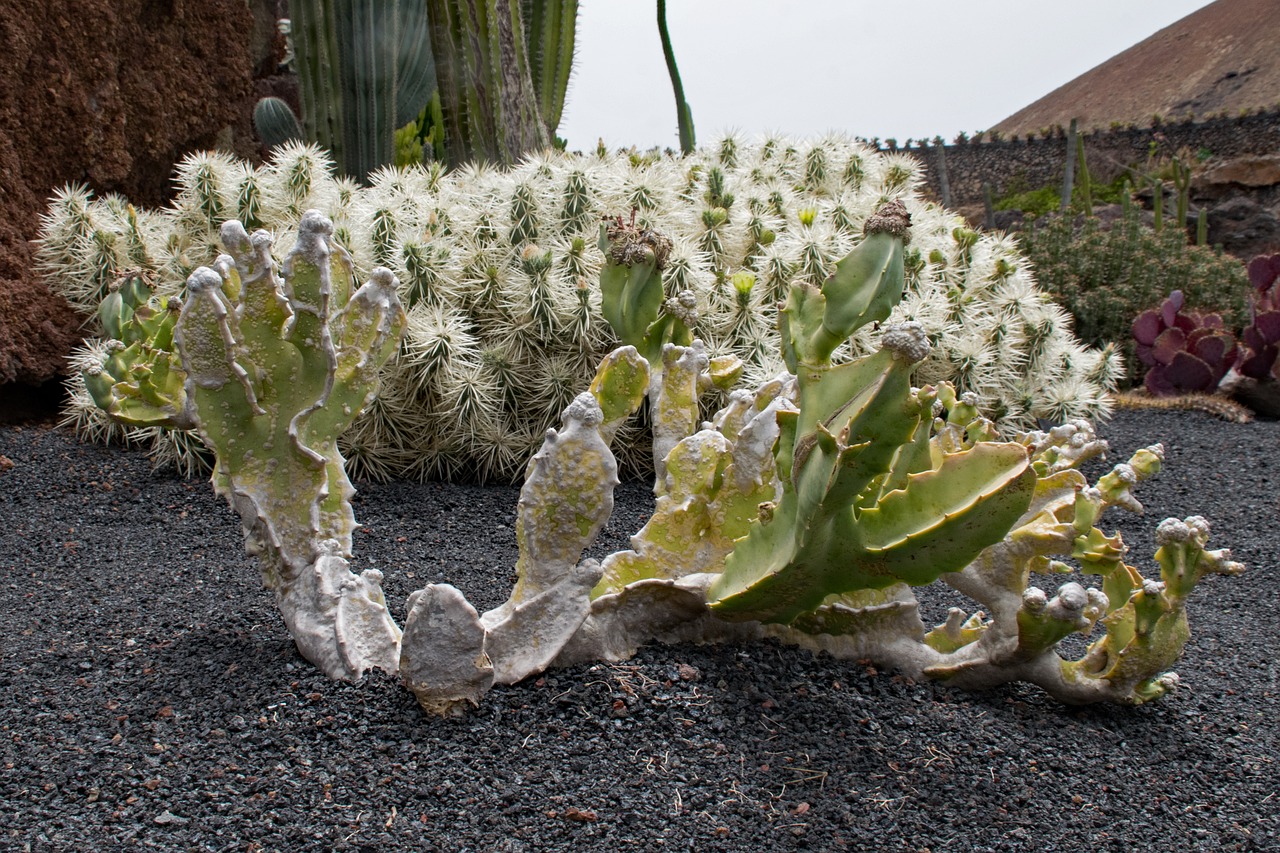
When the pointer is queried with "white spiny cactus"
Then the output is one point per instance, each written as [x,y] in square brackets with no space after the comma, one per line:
[499,271]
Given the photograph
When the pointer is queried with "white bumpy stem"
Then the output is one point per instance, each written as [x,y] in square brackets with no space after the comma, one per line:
[339,620]
[450,655]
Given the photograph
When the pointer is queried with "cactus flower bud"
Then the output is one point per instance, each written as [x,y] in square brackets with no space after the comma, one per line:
[890,218]
[1034,599]
[908,342]
[1171,531]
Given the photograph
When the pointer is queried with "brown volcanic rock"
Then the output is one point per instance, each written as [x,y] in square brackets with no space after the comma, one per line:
[1253,170]
[1223,57]
[110,93]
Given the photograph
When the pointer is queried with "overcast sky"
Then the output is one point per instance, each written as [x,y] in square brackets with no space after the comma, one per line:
[894,68]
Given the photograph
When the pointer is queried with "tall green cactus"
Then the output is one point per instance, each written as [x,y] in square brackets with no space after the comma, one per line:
[365,68]
[550,29]
[495,76]
[684,113]
[502,69]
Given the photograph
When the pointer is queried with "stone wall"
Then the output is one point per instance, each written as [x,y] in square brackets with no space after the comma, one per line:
[1018,164]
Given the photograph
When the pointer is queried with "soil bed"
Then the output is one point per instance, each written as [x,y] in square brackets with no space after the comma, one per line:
[154,700]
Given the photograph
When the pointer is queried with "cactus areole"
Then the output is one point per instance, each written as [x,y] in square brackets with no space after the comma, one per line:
[805,509]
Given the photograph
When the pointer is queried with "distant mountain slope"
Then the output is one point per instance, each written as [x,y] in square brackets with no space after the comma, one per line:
[1224,57]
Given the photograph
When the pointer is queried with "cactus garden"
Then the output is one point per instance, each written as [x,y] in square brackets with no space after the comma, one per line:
[830,507]
[805,509]
[422,484]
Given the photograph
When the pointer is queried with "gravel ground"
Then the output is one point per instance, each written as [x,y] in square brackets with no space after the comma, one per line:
[153,699]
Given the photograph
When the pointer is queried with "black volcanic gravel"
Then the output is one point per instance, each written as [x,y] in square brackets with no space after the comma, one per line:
[152,699]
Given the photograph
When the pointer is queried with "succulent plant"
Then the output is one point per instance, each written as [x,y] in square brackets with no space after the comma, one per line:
[496,267]
[805,509]
[1261,337]
[1107,275]
[861,506]
[269,370]
[139,381]
[1185,352]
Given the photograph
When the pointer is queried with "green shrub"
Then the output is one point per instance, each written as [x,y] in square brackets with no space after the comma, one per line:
[1033,203]
[1038,202]
[1106,276]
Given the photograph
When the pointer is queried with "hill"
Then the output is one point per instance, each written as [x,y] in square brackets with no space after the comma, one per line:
[1222,58]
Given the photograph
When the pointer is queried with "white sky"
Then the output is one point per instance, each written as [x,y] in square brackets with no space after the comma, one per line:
[893,68]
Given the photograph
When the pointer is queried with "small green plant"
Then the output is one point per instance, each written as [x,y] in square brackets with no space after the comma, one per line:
[1035,203]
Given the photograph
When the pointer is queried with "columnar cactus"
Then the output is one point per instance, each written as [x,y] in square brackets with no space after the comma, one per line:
[497,269]
[502,70]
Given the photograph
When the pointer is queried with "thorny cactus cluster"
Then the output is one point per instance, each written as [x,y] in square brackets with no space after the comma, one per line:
[805,509]
[496,270]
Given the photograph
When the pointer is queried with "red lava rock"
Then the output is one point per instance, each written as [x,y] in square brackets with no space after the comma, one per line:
[110,93]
